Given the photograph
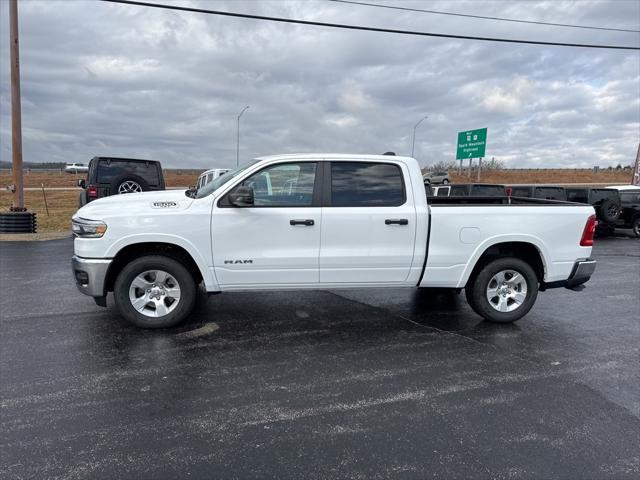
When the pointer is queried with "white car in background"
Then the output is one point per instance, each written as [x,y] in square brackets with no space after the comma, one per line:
[76,168]
[209,176]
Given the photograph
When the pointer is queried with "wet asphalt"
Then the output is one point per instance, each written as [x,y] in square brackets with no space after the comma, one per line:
[340,384]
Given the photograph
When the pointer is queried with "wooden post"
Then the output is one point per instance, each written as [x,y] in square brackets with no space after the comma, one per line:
[44,197]
[16,121]
[479,169]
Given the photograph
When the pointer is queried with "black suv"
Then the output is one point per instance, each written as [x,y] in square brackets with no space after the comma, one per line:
[605,201]
[630,215]
[113,176]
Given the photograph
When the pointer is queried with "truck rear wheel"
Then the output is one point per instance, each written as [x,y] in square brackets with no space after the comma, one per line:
[155,292]
[504,290]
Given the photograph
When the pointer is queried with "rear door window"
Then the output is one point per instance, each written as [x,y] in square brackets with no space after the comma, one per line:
[550,193]
[599,195]
[488,190]
[364,184]
[577,195]
[457,190]
[109,170]
[520,192]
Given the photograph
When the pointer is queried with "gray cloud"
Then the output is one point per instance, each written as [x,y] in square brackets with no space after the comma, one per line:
[104,79]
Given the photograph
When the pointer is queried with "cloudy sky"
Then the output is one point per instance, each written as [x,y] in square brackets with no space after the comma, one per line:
[106,79]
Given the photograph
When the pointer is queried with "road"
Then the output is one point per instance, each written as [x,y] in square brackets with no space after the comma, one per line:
[350,384]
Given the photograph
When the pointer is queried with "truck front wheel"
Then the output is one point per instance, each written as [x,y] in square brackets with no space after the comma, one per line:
[504,290]
[155,292]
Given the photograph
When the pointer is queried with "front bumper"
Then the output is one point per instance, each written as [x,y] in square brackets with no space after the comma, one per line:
[581,273]
[90,275]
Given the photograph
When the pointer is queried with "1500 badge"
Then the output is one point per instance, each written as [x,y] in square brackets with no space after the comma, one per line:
[164,204]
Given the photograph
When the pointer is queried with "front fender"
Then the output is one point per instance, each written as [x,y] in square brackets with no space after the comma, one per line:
[206,271]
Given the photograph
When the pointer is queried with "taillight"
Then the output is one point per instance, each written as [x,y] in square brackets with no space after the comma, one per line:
[589,232]
[509,191]
[92,191]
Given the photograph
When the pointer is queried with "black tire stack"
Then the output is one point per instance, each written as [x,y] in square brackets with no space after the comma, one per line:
[18,222]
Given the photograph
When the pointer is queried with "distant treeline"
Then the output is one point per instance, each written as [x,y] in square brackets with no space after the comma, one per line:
[35,165]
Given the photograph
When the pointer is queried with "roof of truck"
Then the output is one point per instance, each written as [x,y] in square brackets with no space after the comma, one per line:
[334,156]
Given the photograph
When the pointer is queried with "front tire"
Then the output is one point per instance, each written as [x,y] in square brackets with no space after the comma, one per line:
[636,226]
[504,290]
[155,292]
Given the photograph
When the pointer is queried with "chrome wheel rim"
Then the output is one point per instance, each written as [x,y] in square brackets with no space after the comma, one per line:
[154,293]
[506,291]
[129,187]
[636,229]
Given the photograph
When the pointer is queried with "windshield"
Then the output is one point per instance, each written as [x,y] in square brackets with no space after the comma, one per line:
[221,180]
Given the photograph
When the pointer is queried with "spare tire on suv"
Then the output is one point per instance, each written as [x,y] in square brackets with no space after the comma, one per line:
[128,183]
[608,211]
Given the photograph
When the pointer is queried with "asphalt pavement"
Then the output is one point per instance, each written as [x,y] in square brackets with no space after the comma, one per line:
[386,383]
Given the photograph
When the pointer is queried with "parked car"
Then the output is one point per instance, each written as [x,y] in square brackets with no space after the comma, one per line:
[76,168]
[114,176]
[630,208]
[209,175]
[549,192]
[436,178]
[325,221]
[605,201]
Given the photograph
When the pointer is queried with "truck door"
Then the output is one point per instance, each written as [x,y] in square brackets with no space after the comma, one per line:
[277,240]
[368,223]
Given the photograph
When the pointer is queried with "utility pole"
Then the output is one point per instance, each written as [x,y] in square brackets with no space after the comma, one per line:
[16,120]
[238,138]
[413,142]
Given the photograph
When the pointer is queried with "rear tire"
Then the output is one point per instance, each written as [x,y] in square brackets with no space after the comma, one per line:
[636,226]
[445,181]
[155,292]
[504,290]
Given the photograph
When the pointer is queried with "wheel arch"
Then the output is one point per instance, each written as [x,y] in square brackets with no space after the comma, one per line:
[131,251]
[524,249]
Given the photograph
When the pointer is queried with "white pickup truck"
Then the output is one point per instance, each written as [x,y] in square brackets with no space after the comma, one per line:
[325,221]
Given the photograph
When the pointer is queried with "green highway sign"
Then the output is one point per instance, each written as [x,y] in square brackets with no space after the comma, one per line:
[471,143]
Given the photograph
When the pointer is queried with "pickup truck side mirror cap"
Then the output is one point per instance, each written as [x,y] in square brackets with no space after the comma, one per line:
[241,197]
[82,183]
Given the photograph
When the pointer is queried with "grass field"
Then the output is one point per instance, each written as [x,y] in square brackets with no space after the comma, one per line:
[63,204]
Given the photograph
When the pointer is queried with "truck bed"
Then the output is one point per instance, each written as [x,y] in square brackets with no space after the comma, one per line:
[460,232]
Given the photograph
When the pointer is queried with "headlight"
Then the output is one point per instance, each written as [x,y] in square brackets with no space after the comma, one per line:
[88,228]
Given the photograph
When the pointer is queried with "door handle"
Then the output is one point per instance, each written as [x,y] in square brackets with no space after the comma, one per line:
[396,221]
[306,223]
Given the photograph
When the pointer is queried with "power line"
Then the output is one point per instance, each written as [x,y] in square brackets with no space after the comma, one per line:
[502,19]
[363,28]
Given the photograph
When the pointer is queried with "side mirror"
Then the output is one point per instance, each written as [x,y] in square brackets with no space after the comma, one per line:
[241,197]
[82,183]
